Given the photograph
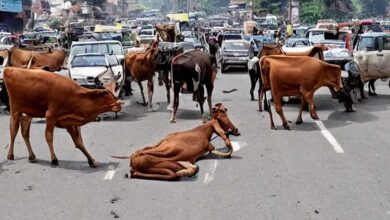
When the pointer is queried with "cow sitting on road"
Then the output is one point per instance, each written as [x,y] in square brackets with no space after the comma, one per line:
[175,155]
[64,104]
[284,77]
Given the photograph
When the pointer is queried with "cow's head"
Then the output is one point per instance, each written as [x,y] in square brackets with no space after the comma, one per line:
[152,51]
[341,93]
[106,100]
[219,113]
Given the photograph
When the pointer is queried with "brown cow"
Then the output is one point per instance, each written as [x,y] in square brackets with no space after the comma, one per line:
[64,104]
[175,155]
[314,51]
[167,33]
[141,66]
[284,77]
[51,60]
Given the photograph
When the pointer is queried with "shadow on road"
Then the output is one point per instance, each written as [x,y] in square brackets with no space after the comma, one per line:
[81,166]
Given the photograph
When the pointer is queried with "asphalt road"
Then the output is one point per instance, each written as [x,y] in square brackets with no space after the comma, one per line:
[333,169]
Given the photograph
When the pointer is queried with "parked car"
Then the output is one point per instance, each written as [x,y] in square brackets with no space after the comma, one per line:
[110,47]
[234,53]
[372,54]
[298,42]
[189,36]
[94,70]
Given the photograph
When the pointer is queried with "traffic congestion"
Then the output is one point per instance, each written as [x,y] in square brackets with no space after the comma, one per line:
[172,115]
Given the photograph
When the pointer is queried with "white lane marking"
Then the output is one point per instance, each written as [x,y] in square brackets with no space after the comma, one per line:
[208,177]
[235,145]
[238,145]
[109,175]
[331,139]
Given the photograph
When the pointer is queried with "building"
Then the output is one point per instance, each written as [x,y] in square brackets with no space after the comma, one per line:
[14,14]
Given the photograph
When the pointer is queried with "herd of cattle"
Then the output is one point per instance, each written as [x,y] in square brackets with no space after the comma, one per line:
[33,89]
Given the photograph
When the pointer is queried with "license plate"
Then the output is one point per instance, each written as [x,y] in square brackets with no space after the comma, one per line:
[344,74]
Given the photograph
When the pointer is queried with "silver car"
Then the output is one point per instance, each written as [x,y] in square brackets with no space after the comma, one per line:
[234,53]
[96,70]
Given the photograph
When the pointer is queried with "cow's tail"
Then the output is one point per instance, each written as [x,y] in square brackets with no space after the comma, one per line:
[120,157]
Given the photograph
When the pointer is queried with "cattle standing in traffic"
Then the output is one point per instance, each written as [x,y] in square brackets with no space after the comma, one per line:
[284,77]
[50,60]
[163,66]
[254,69]
[315,51]
[175,156]
[193,68]
[167,33]
[141,66]
[58,99]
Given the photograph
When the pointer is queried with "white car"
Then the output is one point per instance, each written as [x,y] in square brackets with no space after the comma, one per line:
[108,47]
[372,54]
[94,70]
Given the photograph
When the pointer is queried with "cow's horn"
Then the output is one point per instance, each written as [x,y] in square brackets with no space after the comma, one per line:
[223,154]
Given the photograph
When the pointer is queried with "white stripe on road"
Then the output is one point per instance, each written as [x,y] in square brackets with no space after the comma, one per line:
[208,177]
[331,139]
[109,175]
[237,146]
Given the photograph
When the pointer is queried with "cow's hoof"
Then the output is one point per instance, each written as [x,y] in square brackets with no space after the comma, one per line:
[150,110]
[315,117]
[195,171]
[299,122]
[54,162]
[349,110]
[93,163]
[32,159]
[273,128]
[173,121]
[372,94]
[11,157]
[286,126]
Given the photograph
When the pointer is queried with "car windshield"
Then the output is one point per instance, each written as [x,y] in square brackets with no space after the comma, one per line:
[84,61]
[103,48]
[367,44]
[236,46]
[232,37]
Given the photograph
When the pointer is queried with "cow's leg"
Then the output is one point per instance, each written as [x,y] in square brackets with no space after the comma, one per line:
[253,77]
[209,88]
[261,95]
[267,107]
[141,88]
[189,171]
[14,127]
[176,91]
[168,87]
[155,173]
[150,94]
[309,98]
[25,123]
[279,110]
[361,89]
[75,133]
[303,105]
[371,86]
[201,102]
[50,123]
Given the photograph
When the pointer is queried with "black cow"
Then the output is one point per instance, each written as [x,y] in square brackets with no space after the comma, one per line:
[193,68]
